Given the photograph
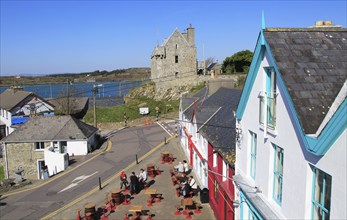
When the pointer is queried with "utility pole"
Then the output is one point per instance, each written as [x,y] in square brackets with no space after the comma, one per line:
[95,90]
[203,57]
[68,98]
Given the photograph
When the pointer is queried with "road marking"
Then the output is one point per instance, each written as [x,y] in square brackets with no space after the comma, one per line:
[76,181]
[108,181]
[164,128]
[109,146]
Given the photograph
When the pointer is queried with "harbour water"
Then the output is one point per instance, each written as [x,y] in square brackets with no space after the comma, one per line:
[105,89]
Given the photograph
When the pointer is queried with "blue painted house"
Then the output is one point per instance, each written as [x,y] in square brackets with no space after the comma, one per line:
[291,158]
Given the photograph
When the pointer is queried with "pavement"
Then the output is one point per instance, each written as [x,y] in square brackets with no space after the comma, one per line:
[165,209]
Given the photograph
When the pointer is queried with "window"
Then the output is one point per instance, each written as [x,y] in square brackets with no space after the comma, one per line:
[253,150]
[278,174]
[39,145]
[321,195]
[268,102]
[176,74]
[215,159]
[216,190]
[176,59]
[225,171]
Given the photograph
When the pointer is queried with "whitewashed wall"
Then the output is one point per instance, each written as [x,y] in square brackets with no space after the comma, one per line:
[54,161]
[297,174]
[6,118]
[77,148]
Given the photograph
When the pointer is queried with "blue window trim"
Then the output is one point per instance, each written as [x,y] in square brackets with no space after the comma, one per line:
[243,199]
[314,202]
[277,174]
[253,154]
[336,125]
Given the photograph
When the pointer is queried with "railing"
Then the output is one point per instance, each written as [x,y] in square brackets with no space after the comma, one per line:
[267,107]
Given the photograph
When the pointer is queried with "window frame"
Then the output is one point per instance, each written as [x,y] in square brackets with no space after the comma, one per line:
[253,154]
[270,95]
[216,190]
[278,175]
[321,206]
[215,160]
[225,171]
[39,146]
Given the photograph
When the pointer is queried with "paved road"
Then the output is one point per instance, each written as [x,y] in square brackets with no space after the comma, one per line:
[125,145]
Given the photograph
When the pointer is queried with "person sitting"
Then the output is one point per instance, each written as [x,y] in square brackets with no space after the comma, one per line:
[142,178]
[134,183]
[185,190]
[193,184]
[123,180]
[179,168]
[182,178]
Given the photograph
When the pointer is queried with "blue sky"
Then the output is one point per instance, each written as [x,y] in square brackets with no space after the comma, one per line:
[46,37]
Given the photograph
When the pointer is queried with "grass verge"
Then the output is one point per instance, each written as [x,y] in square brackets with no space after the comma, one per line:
[131,109]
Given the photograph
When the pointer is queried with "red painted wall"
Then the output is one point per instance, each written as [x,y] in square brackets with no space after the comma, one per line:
[222,207]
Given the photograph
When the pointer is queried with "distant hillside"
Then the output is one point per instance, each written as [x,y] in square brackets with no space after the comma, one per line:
[131,74]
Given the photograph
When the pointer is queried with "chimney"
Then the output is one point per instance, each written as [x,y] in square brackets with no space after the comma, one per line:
[325,24]
[190,35]
[16,88]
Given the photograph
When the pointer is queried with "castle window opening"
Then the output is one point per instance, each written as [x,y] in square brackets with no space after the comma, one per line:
[176,74]
[176,59]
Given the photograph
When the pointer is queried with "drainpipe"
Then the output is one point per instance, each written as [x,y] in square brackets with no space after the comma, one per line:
[6,163]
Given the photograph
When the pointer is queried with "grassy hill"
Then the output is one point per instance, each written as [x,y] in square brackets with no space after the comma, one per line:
[97,76]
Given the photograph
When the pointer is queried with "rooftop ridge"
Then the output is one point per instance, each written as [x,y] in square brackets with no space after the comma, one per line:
[313,29]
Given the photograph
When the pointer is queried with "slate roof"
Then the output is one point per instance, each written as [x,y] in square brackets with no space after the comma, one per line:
[78,105]
[313,65]
[215,118]
[49,128]
[220,129]
[10,98]
[189,99]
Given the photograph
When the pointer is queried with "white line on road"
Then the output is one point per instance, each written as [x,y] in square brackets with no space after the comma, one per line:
[164,128]
[76,181]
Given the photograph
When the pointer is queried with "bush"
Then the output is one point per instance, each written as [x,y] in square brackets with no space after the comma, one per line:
[2,173]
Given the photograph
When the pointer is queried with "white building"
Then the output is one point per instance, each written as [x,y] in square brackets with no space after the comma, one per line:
[46,142]
[291,161]
[16,106]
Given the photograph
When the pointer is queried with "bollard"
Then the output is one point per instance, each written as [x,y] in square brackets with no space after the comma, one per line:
[137,162]
[100,188]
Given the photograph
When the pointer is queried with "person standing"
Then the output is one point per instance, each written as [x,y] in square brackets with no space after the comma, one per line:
[123,180]
[185,167]
[142,178]
[134,183]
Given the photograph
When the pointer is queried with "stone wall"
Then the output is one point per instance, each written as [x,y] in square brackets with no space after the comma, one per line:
[163,60]
[23,155]
[173,88]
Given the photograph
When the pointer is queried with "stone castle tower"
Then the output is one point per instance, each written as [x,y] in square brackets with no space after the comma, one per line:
[175,58]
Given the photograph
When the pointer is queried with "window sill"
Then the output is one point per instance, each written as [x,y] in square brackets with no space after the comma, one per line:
[272,131]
